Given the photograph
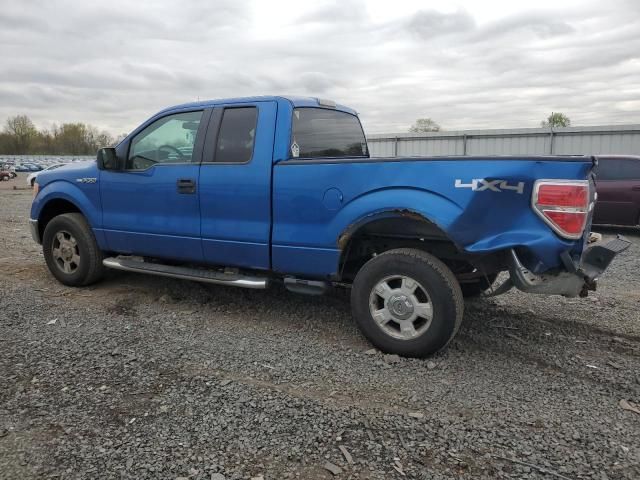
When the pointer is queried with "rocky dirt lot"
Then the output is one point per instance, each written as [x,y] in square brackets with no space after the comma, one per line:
[141,377]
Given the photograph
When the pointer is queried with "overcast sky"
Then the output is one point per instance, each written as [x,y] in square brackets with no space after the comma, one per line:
[466,64]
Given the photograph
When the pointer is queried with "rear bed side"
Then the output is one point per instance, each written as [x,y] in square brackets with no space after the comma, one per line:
[483,204]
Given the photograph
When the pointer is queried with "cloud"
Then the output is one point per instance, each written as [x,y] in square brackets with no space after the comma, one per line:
[114,64]
[539,24]
[431,23]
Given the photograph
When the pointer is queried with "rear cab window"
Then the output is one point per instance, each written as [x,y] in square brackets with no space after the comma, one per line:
[324,133]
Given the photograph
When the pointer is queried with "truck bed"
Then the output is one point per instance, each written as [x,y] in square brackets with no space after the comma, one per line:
[316,200]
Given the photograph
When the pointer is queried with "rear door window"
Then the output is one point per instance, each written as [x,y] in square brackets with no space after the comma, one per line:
[618,169]
[322,133]
[237,135]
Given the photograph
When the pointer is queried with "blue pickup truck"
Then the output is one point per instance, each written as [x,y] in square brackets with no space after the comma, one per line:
[249,191]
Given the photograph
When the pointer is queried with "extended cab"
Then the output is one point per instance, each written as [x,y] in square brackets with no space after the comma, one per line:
[249,191]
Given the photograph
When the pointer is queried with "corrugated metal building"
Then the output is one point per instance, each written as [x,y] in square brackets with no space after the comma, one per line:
[611,139]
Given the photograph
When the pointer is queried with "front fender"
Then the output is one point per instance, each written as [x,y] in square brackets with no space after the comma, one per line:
[85,197]
[64,190]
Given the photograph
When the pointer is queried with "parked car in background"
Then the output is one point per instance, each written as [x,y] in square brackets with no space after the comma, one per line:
[33,167]
[5,174]
[618,187]
[31,179]
[9,168]
[22,168]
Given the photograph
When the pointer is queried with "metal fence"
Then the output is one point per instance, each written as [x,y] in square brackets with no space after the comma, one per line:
[610,139]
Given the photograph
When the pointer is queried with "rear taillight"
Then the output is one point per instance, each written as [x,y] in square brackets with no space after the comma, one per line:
[563,204]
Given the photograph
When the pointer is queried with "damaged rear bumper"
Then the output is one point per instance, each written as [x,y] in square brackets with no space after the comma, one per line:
[576,280]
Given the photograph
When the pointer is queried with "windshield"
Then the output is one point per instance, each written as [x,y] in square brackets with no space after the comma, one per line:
[320,132]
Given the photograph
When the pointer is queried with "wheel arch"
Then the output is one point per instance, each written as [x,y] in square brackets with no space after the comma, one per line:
[60,197]
[54,207]
[385,230]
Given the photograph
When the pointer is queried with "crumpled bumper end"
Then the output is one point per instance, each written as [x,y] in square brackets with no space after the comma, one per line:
[598,256]
[582,278]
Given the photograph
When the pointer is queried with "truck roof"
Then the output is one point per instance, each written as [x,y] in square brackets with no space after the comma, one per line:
[295,101]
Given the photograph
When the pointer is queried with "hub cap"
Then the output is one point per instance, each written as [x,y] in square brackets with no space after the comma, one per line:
[401,307]
[66,254]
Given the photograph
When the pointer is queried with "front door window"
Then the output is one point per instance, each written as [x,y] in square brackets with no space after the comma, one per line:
[168,140]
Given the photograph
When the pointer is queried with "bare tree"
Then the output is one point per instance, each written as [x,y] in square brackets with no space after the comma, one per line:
[21,137]
[22,133]
[119,138]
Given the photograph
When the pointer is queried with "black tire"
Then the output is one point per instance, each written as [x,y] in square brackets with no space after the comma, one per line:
[477,288]
[89,268]
[33,181]
[433,277]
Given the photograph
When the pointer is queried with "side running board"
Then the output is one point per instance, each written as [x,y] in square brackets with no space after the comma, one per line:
[186,273]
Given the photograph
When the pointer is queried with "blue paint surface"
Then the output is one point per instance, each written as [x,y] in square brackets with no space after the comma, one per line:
[275,213]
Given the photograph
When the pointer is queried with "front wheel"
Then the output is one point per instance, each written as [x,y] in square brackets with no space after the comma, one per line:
[407,302]
[71,251]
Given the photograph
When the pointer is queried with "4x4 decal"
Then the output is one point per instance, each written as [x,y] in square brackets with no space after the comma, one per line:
[482,184]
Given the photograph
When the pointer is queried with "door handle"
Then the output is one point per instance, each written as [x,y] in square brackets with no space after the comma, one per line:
[186,185]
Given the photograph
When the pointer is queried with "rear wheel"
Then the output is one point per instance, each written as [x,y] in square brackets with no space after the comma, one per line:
[407,302]
[71,251]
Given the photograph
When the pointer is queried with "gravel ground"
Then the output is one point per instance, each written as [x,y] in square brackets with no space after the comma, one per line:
[142,377]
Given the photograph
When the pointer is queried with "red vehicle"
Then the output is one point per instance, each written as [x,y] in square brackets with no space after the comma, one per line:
[618,187]
[5,173]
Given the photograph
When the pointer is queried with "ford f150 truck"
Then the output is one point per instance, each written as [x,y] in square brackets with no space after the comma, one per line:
[249,191]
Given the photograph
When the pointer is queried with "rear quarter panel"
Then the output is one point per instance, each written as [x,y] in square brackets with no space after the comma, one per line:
[314,202]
